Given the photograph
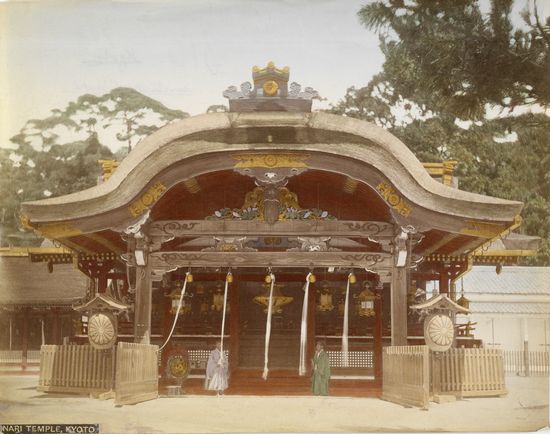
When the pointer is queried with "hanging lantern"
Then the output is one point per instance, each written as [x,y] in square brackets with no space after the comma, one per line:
[352,278]
[365,301]
[312,278]
[268,278]
[217,299]
[279,300]
[325,299]
[189,278]
[175,296]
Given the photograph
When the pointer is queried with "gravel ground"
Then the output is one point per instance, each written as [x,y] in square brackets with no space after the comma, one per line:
[525,408]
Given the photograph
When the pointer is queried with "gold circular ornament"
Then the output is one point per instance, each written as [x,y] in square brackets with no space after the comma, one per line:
[102,330]
[270,88]
[178,366]
[439,332]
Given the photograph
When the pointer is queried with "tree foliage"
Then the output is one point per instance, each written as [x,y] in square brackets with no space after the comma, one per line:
[454,58]
[59,154]
[445,62]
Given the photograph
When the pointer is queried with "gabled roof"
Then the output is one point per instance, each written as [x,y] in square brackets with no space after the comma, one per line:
[439,302]
[23,282]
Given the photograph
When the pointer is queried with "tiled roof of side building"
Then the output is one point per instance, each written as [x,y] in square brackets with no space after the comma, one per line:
[23,282]
[511,280]
[510,308]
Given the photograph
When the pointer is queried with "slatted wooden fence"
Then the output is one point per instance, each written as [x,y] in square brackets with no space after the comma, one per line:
[136,373]
[75,369]
[531,363]
[468,372]
[406,375]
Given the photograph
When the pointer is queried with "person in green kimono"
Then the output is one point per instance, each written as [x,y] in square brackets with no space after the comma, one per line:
[320,374]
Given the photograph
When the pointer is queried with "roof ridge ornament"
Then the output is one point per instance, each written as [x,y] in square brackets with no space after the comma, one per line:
[270,92]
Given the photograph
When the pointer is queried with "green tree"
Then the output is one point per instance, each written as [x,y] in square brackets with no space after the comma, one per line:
[59,154]
[450,56]
[446,61]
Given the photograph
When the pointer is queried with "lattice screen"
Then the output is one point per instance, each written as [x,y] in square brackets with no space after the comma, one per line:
[356,359]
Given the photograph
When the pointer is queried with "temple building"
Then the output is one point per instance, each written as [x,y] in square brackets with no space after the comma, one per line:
[321,227]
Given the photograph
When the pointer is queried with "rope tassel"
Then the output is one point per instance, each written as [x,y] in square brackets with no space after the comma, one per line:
[268,327]
[303,329]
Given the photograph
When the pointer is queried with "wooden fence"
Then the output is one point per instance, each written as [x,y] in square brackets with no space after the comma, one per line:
[136,373]
[406,375]
[468,372]
[527,363]
[75,369]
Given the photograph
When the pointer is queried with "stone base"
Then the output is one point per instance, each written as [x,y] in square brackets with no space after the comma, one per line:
[441,399]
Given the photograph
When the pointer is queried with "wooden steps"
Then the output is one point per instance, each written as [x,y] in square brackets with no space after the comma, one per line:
[282,383]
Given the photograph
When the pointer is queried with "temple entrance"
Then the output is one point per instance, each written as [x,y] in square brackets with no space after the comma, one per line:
[284,348]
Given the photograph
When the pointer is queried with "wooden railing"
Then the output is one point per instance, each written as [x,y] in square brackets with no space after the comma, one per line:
[75,369]
[16,357]
[136,373]
[406,376]
[530,363]
[468,372]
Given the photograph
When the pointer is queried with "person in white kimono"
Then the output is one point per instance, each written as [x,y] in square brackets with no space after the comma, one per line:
[216,370]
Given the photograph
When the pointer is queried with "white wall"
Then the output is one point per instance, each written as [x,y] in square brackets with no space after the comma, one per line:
[508,332]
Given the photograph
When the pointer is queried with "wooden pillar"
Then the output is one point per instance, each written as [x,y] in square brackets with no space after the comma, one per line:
[11,330]
[102,280]
[234,319]
[167,321]
[377,339]
[399,306]
[26,317]
[311,310]
[56,340]
[443,281]
[142,312]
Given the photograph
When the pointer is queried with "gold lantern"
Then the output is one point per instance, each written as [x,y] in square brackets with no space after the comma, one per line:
[279,300]
[217,299]
[325,299]
[365,301]
[175,296]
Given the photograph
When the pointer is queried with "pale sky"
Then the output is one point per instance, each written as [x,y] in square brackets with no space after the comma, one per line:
[182,53]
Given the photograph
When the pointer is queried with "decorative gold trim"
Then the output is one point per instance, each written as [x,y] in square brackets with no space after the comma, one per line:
[270,88]
[480,229]
[392,197]
[58,230]
[147,199]
[350,185]
[271,161]
[270,68]
[444,170]
[108,167]
[26,251]
[192,185]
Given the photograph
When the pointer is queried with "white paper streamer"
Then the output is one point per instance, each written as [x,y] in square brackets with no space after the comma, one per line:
[303,330]
[345,343]
[177,311]
[224,310]
[268,328]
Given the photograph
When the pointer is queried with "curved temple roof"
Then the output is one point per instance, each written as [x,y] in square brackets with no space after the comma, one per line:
[320,141]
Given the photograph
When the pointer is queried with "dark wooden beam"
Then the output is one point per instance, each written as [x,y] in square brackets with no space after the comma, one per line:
[169,261]
[165,230]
